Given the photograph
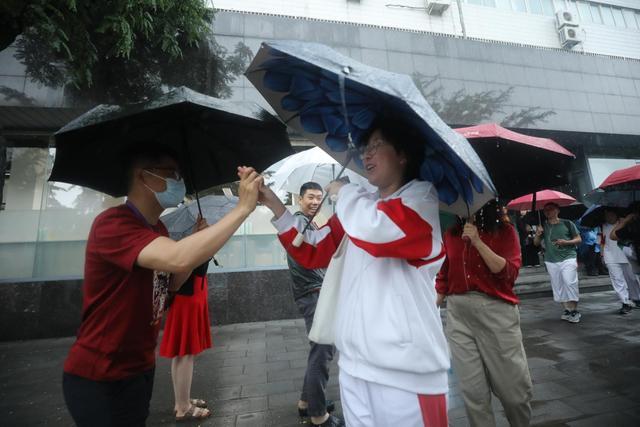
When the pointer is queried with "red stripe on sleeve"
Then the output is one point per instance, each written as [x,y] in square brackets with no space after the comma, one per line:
[318,256]
[414,245]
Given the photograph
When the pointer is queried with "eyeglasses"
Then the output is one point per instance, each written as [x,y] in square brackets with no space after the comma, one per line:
[370,150]
[173,173]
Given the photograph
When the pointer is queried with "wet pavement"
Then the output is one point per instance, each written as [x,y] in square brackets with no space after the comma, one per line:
[587,374]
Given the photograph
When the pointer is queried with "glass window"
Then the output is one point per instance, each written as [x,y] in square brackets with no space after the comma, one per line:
[595,13]
[519,5]
[478,2]
[548,8]
[535,7]
[630,18]
[617,16]
[491,3]
[607,16]
[506,4]
[585,11]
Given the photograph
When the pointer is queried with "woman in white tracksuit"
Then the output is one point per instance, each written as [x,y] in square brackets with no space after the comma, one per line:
[393,353]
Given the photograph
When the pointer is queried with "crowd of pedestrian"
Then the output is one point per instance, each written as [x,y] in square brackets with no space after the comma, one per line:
[399,268]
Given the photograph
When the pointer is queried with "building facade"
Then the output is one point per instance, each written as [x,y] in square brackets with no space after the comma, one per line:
[506,61]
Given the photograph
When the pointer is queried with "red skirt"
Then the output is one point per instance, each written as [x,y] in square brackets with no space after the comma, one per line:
[187,330]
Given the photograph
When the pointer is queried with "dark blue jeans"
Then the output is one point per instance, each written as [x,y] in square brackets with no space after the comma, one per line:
[108,403]
[317,375]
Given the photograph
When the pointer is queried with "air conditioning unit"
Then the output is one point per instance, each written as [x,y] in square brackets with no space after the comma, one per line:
[436,7]
[570,36]
[564,18]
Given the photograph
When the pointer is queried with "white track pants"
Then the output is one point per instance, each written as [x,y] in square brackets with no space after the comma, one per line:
[564,280]
[619,281]
[367,404]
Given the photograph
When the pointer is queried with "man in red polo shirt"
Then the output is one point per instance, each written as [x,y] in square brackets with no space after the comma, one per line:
[130,266]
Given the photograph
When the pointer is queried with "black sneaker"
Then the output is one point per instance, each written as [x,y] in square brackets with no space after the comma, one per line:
[330,408]
[332,421]
[626,309]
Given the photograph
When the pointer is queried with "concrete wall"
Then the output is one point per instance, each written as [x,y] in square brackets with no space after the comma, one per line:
[481,22]
[52,309]
[586,93]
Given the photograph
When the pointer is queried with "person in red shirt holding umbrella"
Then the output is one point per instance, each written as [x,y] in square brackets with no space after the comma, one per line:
[130,266]
[483,320]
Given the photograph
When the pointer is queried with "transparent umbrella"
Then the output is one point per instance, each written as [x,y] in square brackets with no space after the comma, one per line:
[310,165]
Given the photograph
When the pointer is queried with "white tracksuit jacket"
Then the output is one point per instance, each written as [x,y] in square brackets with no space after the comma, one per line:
[388,327]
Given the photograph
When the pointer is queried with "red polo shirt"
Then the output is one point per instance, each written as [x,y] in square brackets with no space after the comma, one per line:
[464,269]
[117,337]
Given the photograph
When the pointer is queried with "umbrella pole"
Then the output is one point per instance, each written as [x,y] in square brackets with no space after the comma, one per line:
[352,151]
[533,206]
[189,167]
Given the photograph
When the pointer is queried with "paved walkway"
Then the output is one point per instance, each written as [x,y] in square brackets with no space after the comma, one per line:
[586,374]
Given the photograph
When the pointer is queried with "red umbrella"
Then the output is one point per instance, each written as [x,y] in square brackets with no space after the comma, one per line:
[518,163]
[542,198]
[623,179]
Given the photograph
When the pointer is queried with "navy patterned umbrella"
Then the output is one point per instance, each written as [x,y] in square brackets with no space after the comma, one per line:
[328,97]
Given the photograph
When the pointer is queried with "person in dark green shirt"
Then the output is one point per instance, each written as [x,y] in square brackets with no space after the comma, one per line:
[559,238]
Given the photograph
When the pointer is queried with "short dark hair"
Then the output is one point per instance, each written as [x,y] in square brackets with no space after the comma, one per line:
[404,138]
[145,154]
[309,186]
[554,204]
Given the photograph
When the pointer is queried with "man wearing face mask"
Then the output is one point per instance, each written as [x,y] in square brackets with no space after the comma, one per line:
[130,266]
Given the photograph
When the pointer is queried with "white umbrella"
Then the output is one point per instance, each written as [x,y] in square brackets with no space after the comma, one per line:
[310,165]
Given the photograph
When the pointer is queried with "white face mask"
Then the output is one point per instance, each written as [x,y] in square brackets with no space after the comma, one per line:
[173,195]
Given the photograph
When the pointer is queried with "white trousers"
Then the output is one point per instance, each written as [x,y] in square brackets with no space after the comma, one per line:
[368,404]
[564,280]
[619,280]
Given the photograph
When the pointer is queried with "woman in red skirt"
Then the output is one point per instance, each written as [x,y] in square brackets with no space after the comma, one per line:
[187,333]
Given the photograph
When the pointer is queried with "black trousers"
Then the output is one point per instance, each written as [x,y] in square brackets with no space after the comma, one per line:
[108,403]
[320,355]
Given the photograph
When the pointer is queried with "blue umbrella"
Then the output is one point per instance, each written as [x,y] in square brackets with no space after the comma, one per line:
[332,100]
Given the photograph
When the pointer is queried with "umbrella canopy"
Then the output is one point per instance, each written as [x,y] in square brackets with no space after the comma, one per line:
[623,179]
[211,135]
[617,198]
[573,211]
[534,163]
[309,165]
[308,84]
[542,198]
[180,221]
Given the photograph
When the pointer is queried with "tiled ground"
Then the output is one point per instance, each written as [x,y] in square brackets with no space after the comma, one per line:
[586,374]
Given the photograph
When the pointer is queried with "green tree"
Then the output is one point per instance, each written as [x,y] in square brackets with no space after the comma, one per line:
[461,108]
[118,51]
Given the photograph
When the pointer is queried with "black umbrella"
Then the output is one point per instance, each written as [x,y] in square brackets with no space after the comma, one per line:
[594,216]
[573,211]
[333,100]
[212,137]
